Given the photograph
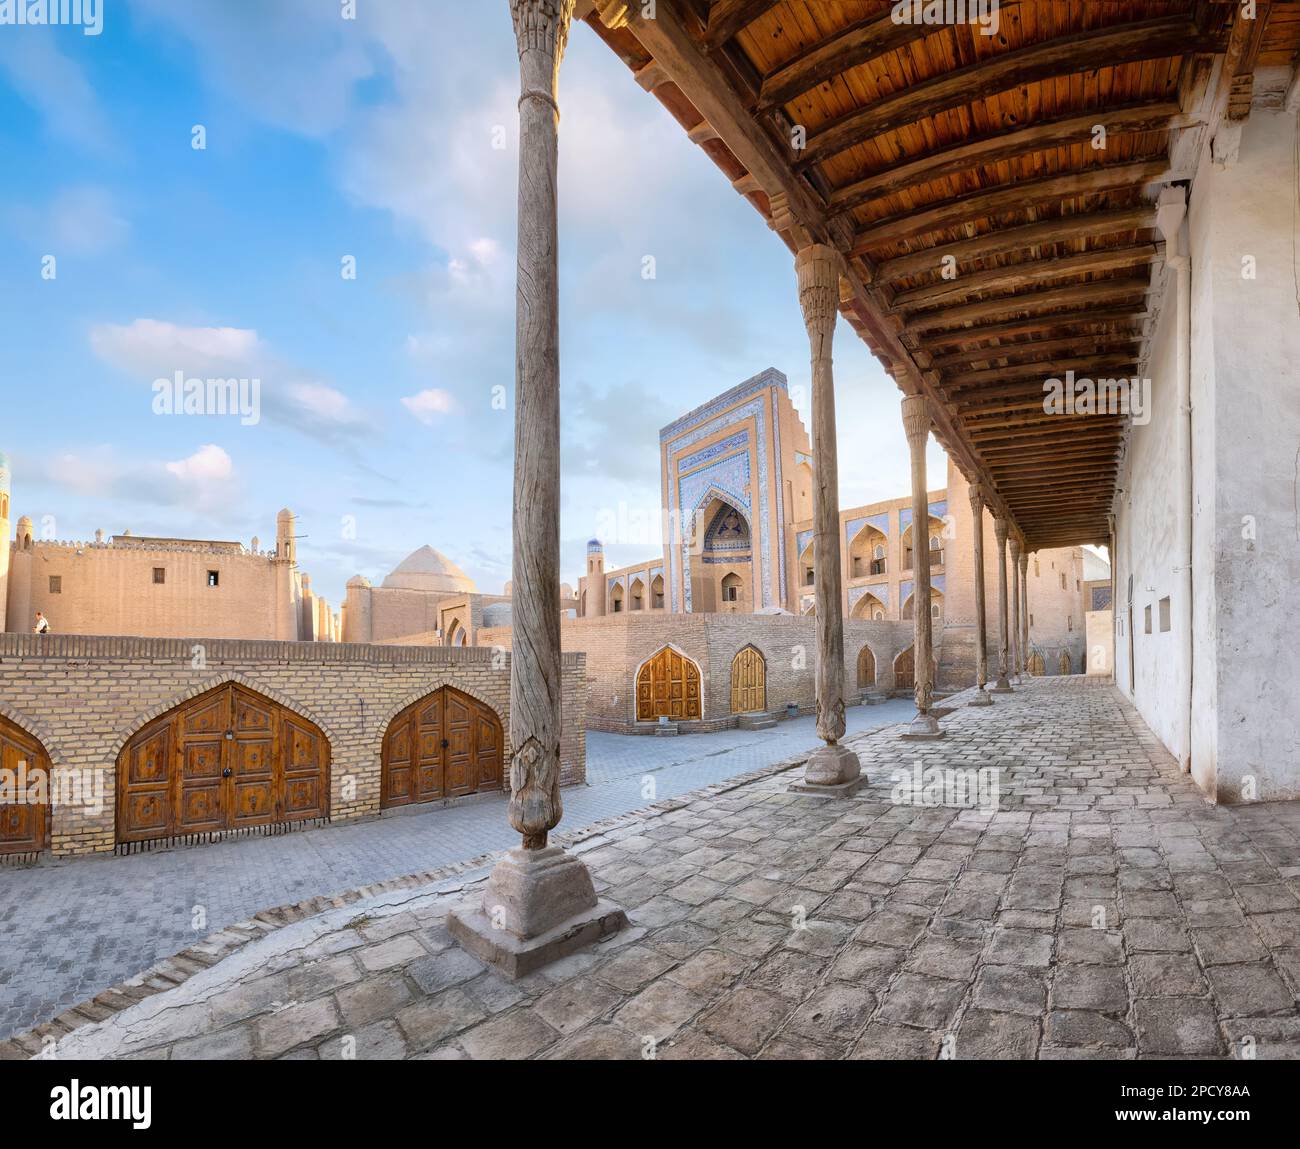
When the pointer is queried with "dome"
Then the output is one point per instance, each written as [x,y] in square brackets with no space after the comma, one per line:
[429,570]
[358,580]
[594,546]
[497,614]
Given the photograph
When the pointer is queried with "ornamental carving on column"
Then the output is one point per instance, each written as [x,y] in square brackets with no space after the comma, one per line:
[542,26]
[818,269]
[916,423]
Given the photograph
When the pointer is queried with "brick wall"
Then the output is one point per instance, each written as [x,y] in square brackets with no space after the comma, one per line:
[84,697]
[615,646]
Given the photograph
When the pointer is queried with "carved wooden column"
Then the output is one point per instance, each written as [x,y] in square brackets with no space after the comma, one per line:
[1000,533]
[1013,543]
[916,422]
[818,269]
[1024,611]
[981,632]
[538,889]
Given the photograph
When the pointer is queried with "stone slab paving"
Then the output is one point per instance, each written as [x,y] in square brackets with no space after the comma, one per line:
[1103,910]
[70,928]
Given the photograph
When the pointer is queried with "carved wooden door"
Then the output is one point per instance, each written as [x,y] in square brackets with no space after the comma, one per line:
[668,685]
[748,682]
[227,760]
[25,775]
[445,745]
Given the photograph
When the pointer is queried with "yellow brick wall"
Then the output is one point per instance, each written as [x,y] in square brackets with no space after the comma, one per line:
[84,697]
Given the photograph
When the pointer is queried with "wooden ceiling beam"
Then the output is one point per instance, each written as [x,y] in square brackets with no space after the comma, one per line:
[1034,326]
[1025,274]
[987,202]
[971,155]
[1063,56]
[1009,240]
[955,386]
[1094,343]
[728,17]
[1037,302]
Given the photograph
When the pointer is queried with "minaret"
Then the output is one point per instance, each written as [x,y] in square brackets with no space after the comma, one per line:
[595,578]
[285,564]
[4,538]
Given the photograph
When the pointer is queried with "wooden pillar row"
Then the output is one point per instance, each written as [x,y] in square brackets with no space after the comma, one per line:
[981,628]
[916,423]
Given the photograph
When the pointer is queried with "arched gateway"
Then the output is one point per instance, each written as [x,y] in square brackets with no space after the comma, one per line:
[445,745]
[230,759]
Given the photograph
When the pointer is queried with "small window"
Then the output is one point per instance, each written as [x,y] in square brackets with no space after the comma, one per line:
[730,594]
[934,610]
[214,578]
[56,584]
[1069,622]
[879,615]
[1037,572]
[1147,614]
[1063,580]
[808,577]
[1031,618]
[159,575]
[1164,613]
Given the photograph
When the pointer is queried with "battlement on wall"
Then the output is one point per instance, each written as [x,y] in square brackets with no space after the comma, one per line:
[113,647]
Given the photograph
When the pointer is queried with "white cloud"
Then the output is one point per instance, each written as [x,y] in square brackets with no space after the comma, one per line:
[326,403]
[208,464]
[429,405]
[55,86]
[155,348]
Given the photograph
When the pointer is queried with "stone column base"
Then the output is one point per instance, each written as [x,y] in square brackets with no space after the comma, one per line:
[538,906]
[924,727]
[981,699]
[1002,687]
[831,765]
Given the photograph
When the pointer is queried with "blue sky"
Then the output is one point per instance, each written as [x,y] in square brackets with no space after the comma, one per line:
[391,138]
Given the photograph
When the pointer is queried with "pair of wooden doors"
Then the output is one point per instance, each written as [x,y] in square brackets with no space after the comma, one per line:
[229,759]
[668,685]
[24,776]
[444,746]
[748,682]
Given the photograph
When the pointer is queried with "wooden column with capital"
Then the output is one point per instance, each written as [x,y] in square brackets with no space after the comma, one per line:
[981,629]
[916,423]
[1000,533]
[539,903]
[1024,610]
[1016,655]
[818,270]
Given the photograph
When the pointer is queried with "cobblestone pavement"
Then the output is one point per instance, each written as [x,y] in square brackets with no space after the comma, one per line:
[1103,909]
[69,929]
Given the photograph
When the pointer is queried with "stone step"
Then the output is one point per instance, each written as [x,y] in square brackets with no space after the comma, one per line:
[874,697]
[756,721]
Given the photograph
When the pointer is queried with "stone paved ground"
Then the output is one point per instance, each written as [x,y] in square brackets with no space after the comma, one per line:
[1104,910]
[69,929]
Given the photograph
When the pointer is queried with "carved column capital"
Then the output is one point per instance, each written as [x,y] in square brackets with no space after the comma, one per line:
[1024,562]
[1000,531]
[818,269]
[541,33]
[977,499]
[1014,542]
[916,420]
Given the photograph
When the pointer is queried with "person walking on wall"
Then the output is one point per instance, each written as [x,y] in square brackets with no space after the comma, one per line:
[42,624]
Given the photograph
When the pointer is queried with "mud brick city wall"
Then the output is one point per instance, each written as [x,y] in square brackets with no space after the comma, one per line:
[84,697]
[615,646]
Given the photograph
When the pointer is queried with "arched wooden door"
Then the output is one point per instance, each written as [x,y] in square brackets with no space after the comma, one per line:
[905,670]
[1063,663]
[229,759]
[866,668]
[25,770]
[668,685]
[748,681]
[444,746]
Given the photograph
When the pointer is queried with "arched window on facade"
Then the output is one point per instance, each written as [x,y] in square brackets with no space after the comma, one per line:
[616,599]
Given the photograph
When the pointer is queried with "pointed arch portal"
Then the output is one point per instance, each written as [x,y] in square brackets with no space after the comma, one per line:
[230,759]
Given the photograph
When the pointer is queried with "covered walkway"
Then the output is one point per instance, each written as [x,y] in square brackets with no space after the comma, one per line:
[1102,909]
